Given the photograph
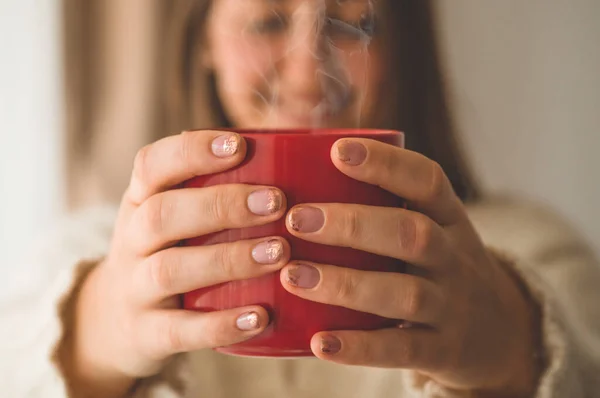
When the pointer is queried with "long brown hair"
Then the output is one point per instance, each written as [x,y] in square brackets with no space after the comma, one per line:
[180,94]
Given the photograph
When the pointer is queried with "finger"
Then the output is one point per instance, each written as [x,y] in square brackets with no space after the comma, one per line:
[387,294]
[407,174]
[175,159]
[182,269]
[392,232]
[174,215]
[385,348]
[167,332]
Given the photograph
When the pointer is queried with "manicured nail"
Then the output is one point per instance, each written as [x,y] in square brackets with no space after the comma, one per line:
[226,146]
[303,276]
[265,202]
[248,322]
[351,152]
[269,252]
[306,219]
[330,345]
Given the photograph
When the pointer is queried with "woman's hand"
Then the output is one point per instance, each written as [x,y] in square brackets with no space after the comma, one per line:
[467,324]
[129,320]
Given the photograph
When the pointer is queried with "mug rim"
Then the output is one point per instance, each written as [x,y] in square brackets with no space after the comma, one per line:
[308,131]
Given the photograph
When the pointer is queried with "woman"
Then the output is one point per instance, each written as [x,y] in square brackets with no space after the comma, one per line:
[502,302]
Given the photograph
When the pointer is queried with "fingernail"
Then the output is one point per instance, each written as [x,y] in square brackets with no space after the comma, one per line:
[330,345]
[351,152]
[269,252]
[247,322]
[265,202]
[306,219]
[226,145]
[303,276]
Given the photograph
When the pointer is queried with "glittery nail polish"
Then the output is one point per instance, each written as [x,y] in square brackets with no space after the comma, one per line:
[265,202]
[225,146]
[248,322]
[269,252]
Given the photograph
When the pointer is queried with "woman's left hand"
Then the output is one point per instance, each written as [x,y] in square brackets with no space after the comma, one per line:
[469,326]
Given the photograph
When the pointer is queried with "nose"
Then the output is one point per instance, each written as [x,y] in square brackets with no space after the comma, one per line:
[305,59]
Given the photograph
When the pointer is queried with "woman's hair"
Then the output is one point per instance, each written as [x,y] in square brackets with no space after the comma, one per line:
[175,92]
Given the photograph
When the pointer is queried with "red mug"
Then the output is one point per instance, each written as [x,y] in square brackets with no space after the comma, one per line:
[298,162]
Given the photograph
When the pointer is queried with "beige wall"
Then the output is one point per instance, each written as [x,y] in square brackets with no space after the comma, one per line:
[525,76]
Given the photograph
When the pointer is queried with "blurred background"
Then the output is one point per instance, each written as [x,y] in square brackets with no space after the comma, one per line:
[524,79]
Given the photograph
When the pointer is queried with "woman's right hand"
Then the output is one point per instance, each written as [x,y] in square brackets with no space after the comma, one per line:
[128,317]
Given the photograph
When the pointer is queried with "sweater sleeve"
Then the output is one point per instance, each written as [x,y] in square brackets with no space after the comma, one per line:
[563,275]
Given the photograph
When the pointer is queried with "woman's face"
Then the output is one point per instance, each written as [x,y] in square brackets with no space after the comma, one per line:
[294,63]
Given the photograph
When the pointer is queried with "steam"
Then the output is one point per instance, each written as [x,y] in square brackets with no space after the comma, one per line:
[308,32]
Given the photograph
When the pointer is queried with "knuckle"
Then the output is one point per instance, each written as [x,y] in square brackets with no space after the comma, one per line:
[406,232]
[345,287]
[187,145]
[163,271]
[423,237]
[171,336]
[142,168]
[415,234]
[220,206]
[413,301]
[437,183]
[224,259]
[236,198]
[352,227]
[155,213]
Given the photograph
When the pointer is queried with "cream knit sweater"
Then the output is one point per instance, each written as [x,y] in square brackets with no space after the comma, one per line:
[559,269]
